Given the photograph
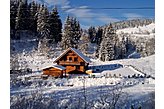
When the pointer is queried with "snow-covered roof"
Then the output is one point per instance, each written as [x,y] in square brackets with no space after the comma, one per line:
[56,66]
[81,55]
[86,59]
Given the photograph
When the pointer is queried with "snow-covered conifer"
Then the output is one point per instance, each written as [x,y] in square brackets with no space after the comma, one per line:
[33,17]
[43,27]
[22,19]
[67,34]
[71,33]
[55,25]
[92,34]
[106,52]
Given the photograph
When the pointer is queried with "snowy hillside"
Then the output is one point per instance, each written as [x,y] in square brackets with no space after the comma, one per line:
[120,73]
[138,30]
[134,78]
[135,90]
[145,65]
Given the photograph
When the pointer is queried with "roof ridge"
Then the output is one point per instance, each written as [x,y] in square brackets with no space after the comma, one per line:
[78,52]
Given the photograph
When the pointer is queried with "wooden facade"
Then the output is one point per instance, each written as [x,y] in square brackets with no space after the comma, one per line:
[73,60]
[54,71]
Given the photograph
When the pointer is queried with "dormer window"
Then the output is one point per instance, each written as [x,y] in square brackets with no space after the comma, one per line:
[70,58]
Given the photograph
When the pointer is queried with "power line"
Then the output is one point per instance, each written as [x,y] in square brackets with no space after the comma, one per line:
[114,8]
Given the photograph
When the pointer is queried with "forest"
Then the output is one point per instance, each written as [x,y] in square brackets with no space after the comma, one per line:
[35,21]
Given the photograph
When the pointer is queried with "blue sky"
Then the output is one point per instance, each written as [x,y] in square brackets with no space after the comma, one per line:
[94,17]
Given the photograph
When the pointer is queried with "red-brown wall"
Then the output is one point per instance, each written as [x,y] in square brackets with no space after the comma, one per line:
[71,65]
[53,72]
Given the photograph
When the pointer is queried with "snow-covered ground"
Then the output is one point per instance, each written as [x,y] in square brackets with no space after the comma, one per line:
[139,34]
[139,30]
[133,91]
[128,73]
[139,90]
[144,65]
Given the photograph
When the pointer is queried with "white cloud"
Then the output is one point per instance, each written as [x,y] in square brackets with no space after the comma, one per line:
[83,13]
[132,16]
[62,3]
[106,19]
[87,15]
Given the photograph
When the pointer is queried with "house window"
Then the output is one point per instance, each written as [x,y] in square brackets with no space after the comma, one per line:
[77,67]
[70,58]
[75,59]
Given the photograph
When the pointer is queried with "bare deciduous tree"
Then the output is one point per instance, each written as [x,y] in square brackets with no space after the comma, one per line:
[113,99]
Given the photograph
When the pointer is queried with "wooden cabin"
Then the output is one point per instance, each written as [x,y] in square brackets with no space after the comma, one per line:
[73,60]
[55,71]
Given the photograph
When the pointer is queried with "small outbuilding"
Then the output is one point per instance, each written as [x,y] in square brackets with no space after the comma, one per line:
[55,71]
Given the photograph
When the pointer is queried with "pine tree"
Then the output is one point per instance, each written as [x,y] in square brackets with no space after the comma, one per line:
[67,34]
[102,51]
[22,19]
[106,52]
[117,48]
[13,13]
[76,32]
[71,34]
[123,47]
[55,26]
[42,23]
[99,35]
[92,34]
[33,17]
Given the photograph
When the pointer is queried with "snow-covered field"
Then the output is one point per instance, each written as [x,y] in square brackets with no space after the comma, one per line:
[69,91]
[139,30]
[141,34]
[144,65]
[135,78]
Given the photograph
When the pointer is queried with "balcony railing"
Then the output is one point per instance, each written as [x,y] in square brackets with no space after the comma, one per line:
[69,63]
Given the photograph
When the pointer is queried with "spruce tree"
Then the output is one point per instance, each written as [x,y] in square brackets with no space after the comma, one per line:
[123,47]
[55,26]
[22,19]
[67,34]
[71,33]
[92,34]
[76,32]
[33,17]
[99,35]
[13,13]
[42,23]
[106,52]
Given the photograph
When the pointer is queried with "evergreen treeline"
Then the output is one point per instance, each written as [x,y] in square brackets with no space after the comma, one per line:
[46,26]
[119,46]
[132,23]
[35,18]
